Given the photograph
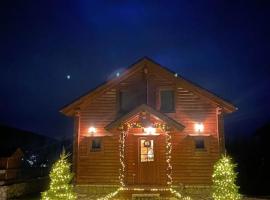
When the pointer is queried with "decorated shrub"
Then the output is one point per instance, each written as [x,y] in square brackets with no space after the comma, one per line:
[224,180]
[60,187]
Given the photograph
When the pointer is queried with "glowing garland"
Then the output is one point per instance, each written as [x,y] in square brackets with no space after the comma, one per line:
[124,128]
[169,157]
[140,125]
[111,195]
[174,192]
[122,139]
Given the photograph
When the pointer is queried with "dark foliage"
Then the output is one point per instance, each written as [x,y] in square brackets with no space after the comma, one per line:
[253,158]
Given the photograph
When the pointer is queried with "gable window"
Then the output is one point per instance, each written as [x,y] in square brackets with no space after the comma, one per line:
[167,103]
[96,144]
[199,143]
[127,101]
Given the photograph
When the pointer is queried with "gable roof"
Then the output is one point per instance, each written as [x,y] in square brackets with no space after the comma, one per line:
[70,109]
[144,107]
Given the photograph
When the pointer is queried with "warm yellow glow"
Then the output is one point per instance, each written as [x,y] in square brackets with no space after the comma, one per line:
[150,130]
[199,127]
[92,130]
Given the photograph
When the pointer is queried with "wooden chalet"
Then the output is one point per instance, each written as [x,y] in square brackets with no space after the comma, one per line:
[10,164]
[148,126]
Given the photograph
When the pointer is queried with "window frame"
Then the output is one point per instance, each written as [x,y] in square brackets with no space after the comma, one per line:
[140,150]
[91,150]
[199,139]
[119,99]
[169,88]
[206,139]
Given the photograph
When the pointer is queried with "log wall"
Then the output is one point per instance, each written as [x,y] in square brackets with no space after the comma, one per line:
[190,166]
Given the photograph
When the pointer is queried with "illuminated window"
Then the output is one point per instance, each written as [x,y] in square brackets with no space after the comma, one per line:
[96,144]
[167,101]
[147,150]
[199,143]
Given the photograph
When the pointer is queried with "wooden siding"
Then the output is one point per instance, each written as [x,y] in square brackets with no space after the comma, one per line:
[190,166]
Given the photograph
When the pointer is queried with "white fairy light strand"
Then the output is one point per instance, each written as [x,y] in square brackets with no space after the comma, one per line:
[122,139]
[169,157]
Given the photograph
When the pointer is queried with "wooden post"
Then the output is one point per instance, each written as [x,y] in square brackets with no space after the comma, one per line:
[220,130]
[76,135]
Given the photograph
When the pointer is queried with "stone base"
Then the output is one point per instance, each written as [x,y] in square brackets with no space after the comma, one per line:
[89,192]
[23,188]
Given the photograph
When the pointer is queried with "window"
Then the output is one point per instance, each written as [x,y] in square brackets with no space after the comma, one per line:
[147,150]
[167,101]
[128,100]
[96,144]
[199,143]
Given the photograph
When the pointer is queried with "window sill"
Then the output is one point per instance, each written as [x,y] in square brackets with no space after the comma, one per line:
[199,134]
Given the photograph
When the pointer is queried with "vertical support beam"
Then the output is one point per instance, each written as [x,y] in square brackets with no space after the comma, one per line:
[146,79]
[76,136]
[220,131]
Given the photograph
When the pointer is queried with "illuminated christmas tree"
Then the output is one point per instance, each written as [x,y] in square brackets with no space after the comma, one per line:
[224,178]
[60,187]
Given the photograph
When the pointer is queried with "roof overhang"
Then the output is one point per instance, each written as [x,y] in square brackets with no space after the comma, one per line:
[144,108]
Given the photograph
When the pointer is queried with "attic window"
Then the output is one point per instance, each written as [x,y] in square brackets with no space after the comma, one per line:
[167,103]
[127,101]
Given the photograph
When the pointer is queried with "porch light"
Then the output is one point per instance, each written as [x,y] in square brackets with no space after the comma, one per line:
[199,127]
[150,130]
[92,130]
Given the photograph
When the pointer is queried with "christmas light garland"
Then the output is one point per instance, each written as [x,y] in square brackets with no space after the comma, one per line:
[124,128]
[169,157]
[122,138]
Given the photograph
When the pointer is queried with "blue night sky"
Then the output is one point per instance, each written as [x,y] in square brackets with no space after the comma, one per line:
[223,46]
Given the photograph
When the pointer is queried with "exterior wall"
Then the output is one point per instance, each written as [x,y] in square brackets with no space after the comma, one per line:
[189,166]
[98,167]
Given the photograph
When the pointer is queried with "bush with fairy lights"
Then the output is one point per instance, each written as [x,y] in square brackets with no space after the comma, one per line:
[224,178]
[60,187]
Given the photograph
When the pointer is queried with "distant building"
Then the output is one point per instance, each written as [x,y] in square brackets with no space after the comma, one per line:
[10,163]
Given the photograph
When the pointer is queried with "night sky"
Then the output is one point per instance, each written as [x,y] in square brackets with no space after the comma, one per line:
[223,46]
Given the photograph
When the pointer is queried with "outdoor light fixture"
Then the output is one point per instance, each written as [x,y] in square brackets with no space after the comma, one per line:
[199,127]
[92,130]
[118,74]
[150,130]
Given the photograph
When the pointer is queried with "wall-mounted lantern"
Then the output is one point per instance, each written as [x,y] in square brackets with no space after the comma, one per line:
[199,127]
[150,130]
[92,130]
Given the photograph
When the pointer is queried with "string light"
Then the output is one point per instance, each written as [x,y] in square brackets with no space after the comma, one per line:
[122,138]
[124,128]
[60,181]
[169,157]
[111,195]
[224,178]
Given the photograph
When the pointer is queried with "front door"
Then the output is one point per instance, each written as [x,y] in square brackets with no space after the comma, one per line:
[147,161]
